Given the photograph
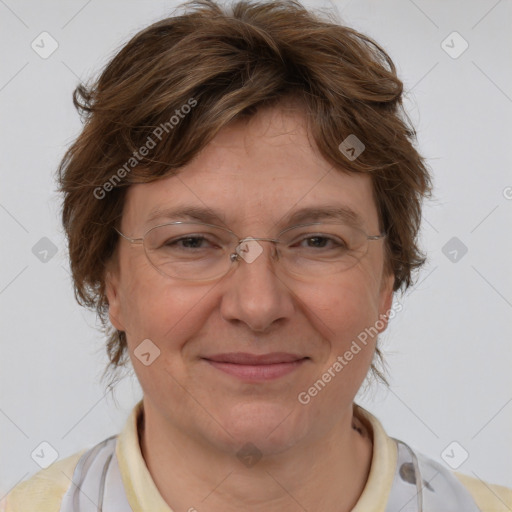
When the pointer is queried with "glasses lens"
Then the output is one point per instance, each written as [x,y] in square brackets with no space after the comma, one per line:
[322,249]
[189,250]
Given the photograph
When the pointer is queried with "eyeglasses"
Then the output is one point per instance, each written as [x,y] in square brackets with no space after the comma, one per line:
[198,251]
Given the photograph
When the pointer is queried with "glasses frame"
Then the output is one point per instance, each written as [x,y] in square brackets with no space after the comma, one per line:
[233,256]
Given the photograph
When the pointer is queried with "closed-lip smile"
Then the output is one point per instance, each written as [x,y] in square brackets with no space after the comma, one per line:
[256,367]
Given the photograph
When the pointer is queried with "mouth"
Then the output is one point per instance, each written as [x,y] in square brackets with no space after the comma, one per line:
[252,367]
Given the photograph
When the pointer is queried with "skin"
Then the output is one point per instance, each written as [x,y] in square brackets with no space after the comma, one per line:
[254,173]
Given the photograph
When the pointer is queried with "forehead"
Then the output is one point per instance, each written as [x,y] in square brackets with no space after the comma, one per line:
[258,171]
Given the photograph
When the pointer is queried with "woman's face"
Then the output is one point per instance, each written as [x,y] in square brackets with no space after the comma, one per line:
[252,176]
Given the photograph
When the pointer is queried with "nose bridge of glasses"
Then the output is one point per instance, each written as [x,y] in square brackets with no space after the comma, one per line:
[249,249]
[257,239]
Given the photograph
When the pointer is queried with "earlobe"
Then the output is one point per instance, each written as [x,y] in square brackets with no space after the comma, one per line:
[114,306]
[386,300]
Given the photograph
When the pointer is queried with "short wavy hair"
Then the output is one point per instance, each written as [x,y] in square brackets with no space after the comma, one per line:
[226,63]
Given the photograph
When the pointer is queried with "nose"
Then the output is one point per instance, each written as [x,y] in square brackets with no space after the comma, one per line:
[255,293]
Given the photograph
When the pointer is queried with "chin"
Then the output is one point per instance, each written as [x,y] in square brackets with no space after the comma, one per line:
[271,427]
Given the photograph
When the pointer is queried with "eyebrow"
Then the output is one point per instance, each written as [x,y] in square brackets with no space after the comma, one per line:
[304,215]
[198,213]
[317,213]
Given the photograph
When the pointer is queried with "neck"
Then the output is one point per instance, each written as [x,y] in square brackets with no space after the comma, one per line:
[325,474]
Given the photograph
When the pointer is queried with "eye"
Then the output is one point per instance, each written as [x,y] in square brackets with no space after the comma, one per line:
[321,241]
[189,242]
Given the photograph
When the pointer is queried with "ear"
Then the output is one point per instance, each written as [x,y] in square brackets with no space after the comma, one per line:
[113,296]
[385,300]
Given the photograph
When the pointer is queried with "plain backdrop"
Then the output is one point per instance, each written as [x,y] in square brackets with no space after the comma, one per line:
[449,350]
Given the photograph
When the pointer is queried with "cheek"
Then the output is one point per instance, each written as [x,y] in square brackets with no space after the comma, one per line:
[345,313]
[152,305]
[345,306]
[159,311]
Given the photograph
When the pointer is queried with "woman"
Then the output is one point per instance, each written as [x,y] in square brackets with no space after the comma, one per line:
[241,207]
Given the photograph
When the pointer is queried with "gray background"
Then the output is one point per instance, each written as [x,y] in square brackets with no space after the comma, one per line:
[449,350]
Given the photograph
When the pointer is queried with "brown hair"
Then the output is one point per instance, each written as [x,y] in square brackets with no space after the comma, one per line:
[190,75]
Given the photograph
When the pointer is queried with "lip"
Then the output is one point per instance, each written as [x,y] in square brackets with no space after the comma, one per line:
[254,367]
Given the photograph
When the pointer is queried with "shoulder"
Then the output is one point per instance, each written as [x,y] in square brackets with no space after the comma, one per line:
[488,497]
[43,491]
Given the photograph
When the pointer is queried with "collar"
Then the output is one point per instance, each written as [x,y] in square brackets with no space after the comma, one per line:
[143,494]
